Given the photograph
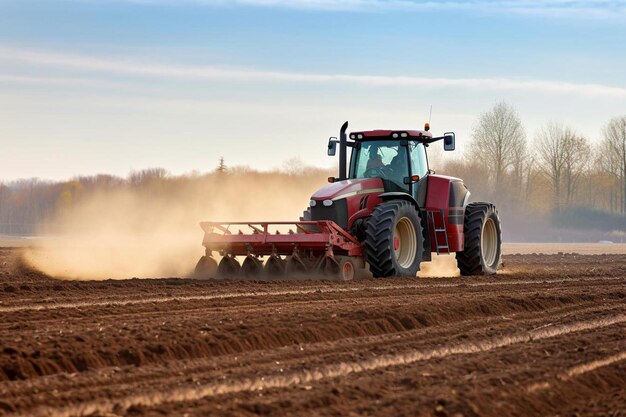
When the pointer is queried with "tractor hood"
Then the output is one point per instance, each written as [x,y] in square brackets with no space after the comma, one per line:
[349,188]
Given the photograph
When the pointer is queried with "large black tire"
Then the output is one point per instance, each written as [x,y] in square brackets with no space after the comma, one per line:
[483,240]
[394,242]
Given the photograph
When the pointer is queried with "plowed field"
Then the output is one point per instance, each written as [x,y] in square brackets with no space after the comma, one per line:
[545,337]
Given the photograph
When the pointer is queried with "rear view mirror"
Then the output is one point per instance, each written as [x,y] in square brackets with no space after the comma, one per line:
[332,146]
[448,141]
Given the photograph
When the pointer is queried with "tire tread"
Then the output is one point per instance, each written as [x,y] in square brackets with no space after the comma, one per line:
[470,261]
[379,235]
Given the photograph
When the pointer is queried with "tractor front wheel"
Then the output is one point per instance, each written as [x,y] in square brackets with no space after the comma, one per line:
[483,240]
[394,243]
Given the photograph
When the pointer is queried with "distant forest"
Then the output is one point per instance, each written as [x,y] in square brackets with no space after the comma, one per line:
[555,186]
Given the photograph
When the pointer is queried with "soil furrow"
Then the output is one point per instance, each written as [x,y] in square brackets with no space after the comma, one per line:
[545,337]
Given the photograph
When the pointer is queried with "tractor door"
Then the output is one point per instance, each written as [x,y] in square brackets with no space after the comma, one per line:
[419,166]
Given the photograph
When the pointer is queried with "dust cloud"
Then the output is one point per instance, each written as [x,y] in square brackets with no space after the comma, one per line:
[442,266]
[152,230]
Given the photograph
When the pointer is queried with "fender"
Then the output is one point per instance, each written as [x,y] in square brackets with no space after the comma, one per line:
[426,227]
[399,196]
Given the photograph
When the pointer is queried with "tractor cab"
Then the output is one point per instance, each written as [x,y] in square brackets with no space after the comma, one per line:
[397,157]
[399,163]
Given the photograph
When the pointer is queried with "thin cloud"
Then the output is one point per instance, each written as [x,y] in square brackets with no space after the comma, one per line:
[133,68]
[38,80]
[597,9]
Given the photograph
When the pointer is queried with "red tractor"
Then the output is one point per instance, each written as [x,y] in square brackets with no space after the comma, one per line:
[384,215]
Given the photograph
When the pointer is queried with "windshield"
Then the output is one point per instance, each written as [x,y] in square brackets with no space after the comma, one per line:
[384,159]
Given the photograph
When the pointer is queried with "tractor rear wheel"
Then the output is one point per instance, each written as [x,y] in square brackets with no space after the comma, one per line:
[394,242]
[483,240]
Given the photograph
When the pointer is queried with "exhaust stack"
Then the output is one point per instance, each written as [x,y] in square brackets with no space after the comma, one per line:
[343,158]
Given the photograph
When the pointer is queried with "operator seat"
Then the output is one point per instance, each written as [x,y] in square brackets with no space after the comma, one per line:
[399,169]
[374,163]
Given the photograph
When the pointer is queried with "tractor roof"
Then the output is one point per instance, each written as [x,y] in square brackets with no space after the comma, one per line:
[391,134]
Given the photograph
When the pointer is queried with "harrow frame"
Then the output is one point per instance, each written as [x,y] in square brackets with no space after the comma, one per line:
[323,237]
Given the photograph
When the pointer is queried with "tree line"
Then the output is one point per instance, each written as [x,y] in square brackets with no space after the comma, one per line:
[556,177]
[553,180]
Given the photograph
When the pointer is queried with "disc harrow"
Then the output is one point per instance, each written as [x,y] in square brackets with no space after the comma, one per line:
[312,249]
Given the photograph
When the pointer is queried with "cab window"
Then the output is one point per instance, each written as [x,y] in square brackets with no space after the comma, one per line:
[385,159]
[419,164]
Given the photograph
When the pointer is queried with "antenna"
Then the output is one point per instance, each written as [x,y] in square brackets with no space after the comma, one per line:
[427,125]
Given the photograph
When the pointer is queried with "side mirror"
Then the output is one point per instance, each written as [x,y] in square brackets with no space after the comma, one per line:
[332,146]
[448,141]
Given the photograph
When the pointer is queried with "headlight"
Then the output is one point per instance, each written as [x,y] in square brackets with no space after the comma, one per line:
[312,203]
[328,203]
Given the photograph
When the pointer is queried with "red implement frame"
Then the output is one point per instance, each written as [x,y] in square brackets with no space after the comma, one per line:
[320,237]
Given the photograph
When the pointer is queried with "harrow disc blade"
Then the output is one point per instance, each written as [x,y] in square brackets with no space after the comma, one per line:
[275,267]
[252,267]
[330,267]
[206,268]
[296,266]
[228,267]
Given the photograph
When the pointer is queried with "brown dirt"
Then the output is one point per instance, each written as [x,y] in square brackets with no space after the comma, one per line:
[560,248]
[545,337]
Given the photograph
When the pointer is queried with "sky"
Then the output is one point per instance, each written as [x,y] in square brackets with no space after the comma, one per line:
[111,86]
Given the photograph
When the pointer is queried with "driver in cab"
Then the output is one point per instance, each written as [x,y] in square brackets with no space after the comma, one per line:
[395,171]
[375,159]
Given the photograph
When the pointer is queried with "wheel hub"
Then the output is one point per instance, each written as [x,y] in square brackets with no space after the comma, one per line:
[347,271]
[489,242]
[405,242]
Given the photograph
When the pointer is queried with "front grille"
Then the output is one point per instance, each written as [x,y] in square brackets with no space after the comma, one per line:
[338,212]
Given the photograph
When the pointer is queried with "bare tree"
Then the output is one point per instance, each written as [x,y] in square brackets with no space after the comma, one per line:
[530,173]
[551,157]
[293,166]
[577,159]
[520,173]
[607,162]
[146,176]
[221,167]
[614,154]
[498,140]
